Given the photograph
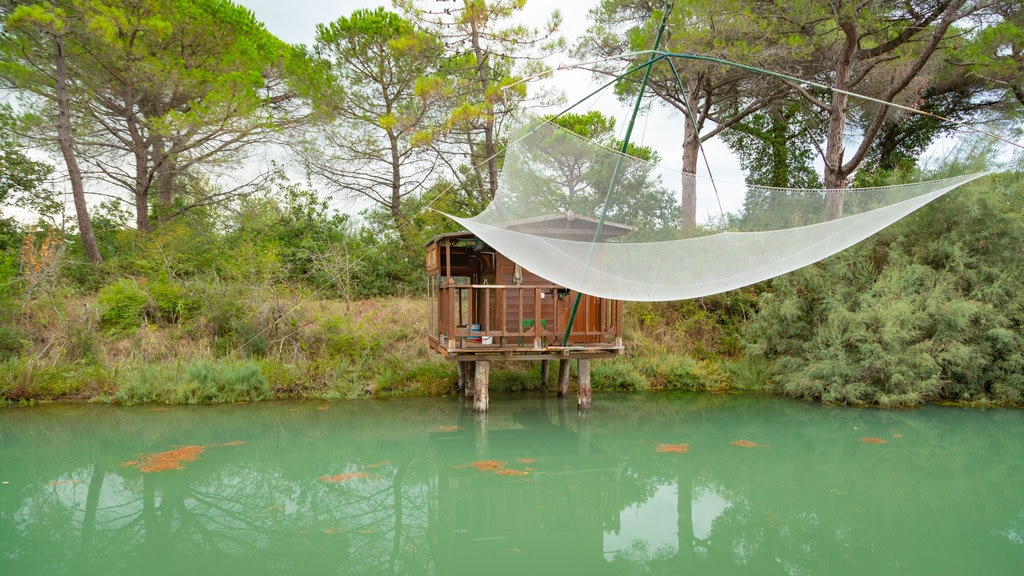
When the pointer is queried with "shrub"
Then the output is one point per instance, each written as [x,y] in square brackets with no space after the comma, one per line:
[123,306]
[231,382]
[144,385]
[11,342]
[616,377]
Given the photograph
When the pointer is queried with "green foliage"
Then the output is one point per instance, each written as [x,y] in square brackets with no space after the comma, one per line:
[403,378]
[229,382]
[172,301]
[26,378]
[927,310]
[616,376]
[11,342]
[123,306]
[143,385]
[202,383]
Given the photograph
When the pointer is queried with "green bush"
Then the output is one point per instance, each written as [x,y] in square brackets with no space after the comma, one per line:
[144,385]
[172,302]
[927,310]
[669,372]
[616,376]
[123,306]
[11,342]
[230,382]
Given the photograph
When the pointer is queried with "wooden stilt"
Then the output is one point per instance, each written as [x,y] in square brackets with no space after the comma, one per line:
[563,378]
[583,392]
[480,377]
[470,375]
[544,365]
[461,384]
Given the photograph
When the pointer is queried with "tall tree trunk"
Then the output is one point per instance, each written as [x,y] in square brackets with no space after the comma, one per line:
[396,184]
[691,151]
[164,164]
[835,175]
[490,147]
[92,250]
[141,191]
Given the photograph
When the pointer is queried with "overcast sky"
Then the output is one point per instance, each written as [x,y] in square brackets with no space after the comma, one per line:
[295,21]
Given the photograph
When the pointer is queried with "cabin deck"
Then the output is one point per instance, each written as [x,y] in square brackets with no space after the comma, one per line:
[496,322]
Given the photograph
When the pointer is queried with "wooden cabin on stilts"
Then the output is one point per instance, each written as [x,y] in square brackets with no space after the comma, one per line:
[484,308]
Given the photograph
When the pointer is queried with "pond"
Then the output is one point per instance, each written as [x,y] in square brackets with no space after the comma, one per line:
[640,484]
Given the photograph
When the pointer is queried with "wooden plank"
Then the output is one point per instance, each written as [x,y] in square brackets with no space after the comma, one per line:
[583,392]
[563,378]
[480,377]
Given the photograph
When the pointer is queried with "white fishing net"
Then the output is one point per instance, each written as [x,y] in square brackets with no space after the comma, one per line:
[585,217]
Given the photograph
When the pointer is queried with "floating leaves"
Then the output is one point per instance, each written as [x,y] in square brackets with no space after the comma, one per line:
[869,440]
[675,448]
[496,467]
[169,460]
[746,444]
[172,459]
[487,465]
[338,478]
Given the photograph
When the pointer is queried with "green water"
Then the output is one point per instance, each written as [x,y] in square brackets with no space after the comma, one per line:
[390,488]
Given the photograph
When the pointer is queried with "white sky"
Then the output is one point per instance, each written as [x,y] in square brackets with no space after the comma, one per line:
[295,22]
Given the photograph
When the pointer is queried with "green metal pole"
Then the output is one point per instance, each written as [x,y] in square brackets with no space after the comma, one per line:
[654,57]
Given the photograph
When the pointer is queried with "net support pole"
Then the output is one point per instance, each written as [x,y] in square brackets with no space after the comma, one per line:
[654,57]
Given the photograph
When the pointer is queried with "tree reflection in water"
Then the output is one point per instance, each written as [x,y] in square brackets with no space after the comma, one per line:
[390,488]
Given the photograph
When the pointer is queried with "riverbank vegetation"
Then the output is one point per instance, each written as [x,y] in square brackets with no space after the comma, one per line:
[167,280]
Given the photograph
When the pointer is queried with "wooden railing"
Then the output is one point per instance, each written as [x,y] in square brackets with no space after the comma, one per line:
[519,317]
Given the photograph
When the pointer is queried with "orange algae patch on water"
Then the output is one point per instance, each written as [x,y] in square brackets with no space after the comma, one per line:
[487,465]
[746,444]
[511,472]
[448,428]
[526,460]
[169,460]
[232,443]
[344,477]
[868,440]
[676,448]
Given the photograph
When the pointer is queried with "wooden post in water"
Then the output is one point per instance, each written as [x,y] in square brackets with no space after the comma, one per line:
[470,376]
[480,377]
[583,389]
[461,385]
[563,378]
[544,373]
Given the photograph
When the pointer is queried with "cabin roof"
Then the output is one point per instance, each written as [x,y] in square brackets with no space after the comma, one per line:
[567,226]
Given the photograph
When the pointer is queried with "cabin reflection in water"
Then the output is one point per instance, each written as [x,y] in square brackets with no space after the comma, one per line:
[502,503]
[484,307]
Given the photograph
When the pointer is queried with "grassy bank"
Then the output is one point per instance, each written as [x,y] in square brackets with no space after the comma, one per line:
[320,350]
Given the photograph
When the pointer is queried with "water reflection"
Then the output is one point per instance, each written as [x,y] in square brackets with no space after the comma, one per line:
[755,485]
